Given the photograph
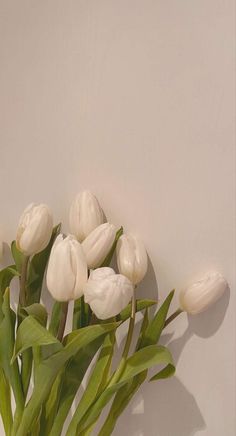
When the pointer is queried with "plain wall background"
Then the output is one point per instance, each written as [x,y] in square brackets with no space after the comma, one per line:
[135,101]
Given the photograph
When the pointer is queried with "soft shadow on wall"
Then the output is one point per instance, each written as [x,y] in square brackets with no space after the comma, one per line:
[169,408]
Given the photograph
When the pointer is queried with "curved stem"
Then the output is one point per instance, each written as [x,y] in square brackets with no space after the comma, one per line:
[173,316]
[61,329]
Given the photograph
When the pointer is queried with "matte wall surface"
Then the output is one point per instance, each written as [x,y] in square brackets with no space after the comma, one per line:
[135,100]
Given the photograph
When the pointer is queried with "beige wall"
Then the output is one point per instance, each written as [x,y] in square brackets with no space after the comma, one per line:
[134,100]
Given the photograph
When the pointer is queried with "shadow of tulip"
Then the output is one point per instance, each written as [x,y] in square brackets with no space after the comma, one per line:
[148,288]
[164,408]
[167,408]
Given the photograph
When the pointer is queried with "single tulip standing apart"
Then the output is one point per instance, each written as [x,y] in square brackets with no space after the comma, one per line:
[107,293]
[131,258]
[98,244]
[34,229]
[202,294]
[85,215]
[67,269]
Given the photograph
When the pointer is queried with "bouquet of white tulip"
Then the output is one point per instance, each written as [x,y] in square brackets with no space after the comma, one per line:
[44,367]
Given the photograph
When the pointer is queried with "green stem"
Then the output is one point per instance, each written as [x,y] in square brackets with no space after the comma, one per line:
[23,278]
[83,322]
[124,396]
[173,316]
[116,375]
[62,324]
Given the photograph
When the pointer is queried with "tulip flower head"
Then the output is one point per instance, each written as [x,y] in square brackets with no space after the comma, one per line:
[202,294]
[85,215]
[107,293]
[131,258]
[34,229]
[98,244]
[67,269]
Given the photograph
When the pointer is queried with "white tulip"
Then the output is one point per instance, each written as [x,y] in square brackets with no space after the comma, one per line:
[67,270]
[98,244]
[85,215]
[202,294]
[34,229]
[131,258]
[107,293]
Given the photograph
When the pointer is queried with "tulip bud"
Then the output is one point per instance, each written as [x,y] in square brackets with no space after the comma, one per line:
[67,269]
[85,215]
[107,293]
[98,244]
[202,294]
[131,258]
[34,229]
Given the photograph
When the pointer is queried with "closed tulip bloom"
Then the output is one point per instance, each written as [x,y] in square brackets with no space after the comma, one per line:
[67,270]
[107,293]
[85,215]
[131,258]
[34,229]
[98,244]
[202,294]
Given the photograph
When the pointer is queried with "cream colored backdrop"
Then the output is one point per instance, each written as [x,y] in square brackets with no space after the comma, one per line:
[135,100]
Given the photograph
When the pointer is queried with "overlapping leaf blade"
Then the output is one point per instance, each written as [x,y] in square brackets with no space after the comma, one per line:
[49,368]
[140,361]
[32,334]
[150,335]
[98,379]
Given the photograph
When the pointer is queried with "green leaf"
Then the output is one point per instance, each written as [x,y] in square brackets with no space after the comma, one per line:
[143,329]
[140,361]
[55,318]
[120,402]
[6,276]
[166,372]
[32,334]
[98,378]
[140,305]
[49,409]
[37,268]
[81,315]
[69,385]
[5,403]
[126,392]
[108,259]
[36,310]
[49,368]
[17,255]
[155,327]
[7,336]
[7,328]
